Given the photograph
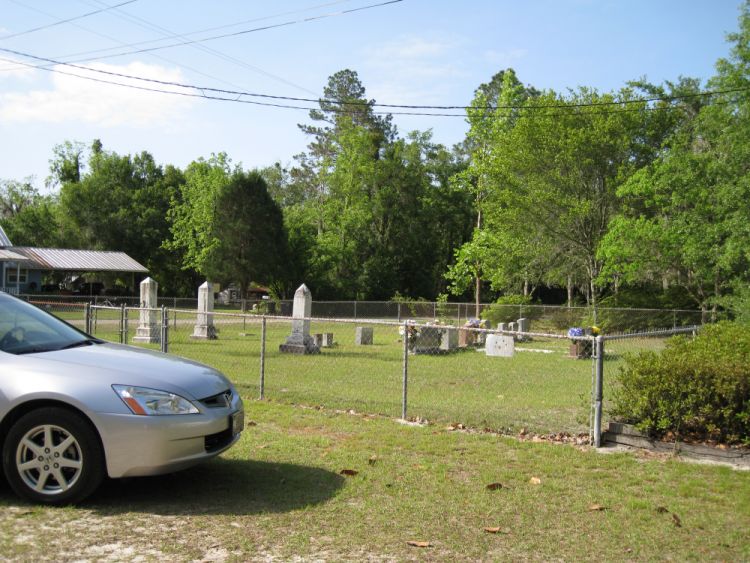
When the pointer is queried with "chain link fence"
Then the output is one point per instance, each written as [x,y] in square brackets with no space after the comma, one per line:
[516,378]
[547,318]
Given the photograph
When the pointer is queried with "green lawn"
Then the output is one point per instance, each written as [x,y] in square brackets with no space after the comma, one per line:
[542,392]
[279,495]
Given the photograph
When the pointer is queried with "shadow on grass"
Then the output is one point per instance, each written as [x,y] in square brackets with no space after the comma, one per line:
[220,486]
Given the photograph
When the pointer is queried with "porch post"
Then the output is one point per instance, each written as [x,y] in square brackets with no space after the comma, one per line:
[18,278]
[3,282]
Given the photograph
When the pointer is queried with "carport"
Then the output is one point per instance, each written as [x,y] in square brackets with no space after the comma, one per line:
[22,266]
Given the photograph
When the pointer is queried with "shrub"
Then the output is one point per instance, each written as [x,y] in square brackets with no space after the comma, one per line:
[696,387]
[509,308]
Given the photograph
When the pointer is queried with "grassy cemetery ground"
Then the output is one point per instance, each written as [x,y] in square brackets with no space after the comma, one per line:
[542,391]
[280,493]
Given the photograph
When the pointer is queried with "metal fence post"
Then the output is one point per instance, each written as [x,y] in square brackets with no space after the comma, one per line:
[124,324]
[405,371]
[87,318]
[598,389]
[263,358]
[164,329]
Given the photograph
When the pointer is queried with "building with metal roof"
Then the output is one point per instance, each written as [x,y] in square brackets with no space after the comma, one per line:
[22,266]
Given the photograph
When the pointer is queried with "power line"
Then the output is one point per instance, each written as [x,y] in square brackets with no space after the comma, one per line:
[344,103]
[161,57]
[238,99]
[241,32]
[206,30]
[211,51]
[53,24]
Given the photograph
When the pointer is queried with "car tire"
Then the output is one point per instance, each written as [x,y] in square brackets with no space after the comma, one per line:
[52,455]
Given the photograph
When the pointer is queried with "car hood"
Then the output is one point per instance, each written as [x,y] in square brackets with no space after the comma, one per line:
[128,365]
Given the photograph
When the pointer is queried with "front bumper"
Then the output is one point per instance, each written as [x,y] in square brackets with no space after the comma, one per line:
[137,446]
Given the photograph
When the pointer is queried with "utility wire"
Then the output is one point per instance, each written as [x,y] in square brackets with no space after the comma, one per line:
[162,57]
[53,24]
[238,33]
[357,103]
[239,98]
[211,51]
[206,30]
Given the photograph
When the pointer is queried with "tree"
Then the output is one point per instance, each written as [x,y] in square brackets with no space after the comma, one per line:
[192,213]
[686,218]
[120,203]
[227,226]
[28,218]
[249,228]
[490,112]
[551,171]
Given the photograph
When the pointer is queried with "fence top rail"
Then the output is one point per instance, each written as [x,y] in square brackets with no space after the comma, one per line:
[652,333]
[259,318]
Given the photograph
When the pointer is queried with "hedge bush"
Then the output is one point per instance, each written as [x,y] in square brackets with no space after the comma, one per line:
[697,387]
[510,308]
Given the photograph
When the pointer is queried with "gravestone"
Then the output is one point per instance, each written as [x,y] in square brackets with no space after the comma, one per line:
[499,345]
[323,340]
[481,337]
[523,327]
[512,327]
[148,328]
[449,339]
[436,340]
[300,341]
[363,336]
[502,326]
[466,337]
[204,327]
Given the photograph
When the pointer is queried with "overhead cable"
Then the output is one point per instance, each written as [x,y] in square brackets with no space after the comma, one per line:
[68,20]
[200,93]
[359,103]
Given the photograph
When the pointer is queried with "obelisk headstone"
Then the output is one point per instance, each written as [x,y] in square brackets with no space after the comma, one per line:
[204,326]
[300,341]
[148,330]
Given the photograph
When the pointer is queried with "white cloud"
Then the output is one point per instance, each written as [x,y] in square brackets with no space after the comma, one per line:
[72,98]
[504,58]
[413,69]
[12,68]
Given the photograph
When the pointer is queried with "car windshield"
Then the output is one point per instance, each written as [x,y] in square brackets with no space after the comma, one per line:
[25,329]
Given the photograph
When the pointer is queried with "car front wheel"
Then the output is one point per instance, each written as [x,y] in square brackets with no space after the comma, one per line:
[53,456]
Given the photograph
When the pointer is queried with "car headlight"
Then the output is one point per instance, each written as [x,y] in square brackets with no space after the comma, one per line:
[145,401]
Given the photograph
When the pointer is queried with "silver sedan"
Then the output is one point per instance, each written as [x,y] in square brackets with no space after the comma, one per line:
[74,409]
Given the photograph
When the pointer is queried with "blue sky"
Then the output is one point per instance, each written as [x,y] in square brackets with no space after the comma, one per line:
[409,52]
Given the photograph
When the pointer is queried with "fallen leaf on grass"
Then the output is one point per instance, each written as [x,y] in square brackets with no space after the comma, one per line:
[373,460]
[252,423]
[597,507]
[535,481]
[676,520]
[662,510]
[495,486]
[349,472]
[419,543]
[495,530]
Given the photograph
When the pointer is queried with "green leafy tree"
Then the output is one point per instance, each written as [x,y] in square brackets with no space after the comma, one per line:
[120,202]
[27,217]
[193,211]
[686,219]
[249,228]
